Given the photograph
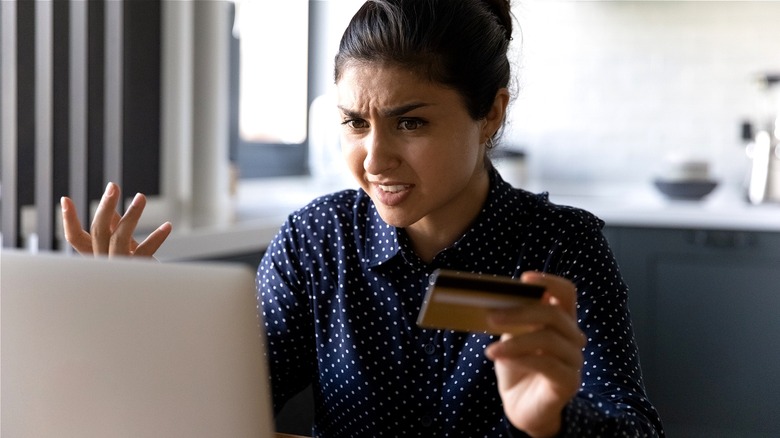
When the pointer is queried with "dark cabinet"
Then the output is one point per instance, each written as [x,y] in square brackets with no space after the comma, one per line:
[706,312]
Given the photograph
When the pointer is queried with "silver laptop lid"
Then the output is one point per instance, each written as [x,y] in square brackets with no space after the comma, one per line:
[126,348]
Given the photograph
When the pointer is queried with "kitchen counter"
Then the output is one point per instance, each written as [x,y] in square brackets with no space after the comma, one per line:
[642,205]
[261,206]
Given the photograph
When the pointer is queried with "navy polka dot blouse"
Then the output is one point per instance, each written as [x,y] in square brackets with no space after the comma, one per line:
[340,290]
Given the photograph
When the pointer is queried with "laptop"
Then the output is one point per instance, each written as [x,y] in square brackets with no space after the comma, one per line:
[127,348]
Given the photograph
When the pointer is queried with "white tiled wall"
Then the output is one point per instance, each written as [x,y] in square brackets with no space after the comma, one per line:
[606,89]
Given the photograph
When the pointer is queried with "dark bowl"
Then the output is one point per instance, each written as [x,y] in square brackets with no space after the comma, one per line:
[687,190]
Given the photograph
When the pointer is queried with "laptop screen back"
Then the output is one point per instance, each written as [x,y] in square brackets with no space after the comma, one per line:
[125,348]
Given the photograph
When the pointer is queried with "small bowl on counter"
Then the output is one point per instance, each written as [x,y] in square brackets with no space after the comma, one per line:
[685,177]
[688,190]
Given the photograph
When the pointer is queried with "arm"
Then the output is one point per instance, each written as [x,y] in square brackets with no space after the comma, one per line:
[283,300]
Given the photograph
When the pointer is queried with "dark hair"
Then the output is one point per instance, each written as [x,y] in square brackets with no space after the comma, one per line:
[461,44]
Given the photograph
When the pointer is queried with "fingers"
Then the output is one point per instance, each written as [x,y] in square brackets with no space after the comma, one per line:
[548,343]
[105,220]
[551,336]
[121,241]
[547,328]
[79,239]
[152,243]
[558,290]
[532,318]
[112,234]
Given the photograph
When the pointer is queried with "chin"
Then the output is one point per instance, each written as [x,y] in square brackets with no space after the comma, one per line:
[394,216]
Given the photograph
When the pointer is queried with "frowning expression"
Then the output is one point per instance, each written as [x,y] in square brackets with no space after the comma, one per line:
[411,145]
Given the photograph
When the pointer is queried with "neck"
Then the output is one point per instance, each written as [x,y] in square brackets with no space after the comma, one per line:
[431,235]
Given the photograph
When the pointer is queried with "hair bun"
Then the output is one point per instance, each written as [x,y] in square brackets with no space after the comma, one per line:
[503,11]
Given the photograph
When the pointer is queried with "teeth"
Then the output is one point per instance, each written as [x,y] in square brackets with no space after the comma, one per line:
[392,189]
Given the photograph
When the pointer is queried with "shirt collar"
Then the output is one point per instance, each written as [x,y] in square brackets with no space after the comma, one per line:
[502,210]
[381,238]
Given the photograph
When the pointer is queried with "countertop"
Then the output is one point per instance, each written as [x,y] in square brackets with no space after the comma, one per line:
[261,206]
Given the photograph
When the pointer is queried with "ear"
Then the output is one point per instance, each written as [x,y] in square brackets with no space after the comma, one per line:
[495,118]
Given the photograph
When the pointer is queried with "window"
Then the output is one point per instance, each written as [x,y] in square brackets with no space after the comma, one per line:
[271,59]
[273,71]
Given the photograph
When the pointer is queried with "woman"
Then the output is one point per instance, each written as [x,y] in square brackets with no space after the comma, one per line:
[422,94]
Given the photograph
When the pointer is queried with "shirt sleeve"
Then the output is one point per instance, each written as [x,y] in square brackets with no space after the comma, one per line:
[285,308]
[612,399]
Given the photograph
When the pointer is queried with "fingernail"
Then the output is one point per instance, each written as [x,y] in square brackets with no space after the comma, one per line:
[109,189]
[490,352]
[63,205]
[136,199]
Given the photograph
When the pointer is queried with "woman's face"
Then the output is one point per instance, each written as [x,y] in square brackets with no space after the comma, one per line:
[413,147]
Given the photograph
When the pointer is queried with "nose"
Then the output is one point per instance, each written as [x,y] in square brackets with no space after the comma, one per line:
[380,153]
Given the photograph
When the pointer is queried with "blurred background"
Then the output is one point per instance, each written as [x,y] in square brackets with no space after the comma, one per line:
[659,116]
[152,93]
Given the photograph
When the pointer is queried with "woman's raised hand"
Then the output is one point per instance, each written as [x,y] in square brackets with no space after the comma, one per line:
[539,358]
[110,233]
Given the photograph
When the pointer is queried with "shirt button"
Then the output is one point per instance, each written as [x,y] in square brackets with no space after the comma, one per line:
[430,348]
[426,421]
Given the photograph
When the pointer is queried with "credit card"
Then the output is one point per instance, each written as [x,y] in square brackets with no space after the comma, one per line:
[461,301]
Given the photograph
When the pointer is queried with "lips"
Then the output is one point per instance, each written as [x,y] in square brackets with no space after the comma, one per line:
[391,194]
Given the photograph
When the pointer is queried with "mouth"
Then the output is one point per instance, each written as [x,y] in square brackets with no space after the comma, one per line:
[393,188]
[391,194]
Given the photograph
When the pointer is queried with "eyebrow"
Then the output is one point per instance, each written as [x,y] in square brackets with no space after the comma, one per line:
[390,112]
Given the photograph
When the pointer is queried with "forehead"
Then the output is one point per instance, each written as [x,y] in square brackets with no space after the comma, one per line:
[378,84]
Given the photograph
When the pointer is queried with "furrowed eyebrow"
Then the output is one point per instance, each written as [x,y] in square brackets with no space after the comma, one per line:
[390,112]
[349,113]
[403,109]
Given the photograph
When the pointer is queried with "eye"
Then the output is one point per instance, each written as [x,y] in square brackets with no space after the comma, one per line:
[410,124]
[355,123]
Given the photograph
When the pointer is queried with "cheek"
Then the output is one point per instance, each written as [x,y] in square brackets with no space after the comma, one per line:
[463,153]
[354,155]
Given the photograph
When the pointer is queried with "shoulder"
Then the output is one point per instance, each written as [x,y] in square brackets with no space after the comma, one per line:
[545,213]
[535,210]
[322,218]
[329,212]
[336,203]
